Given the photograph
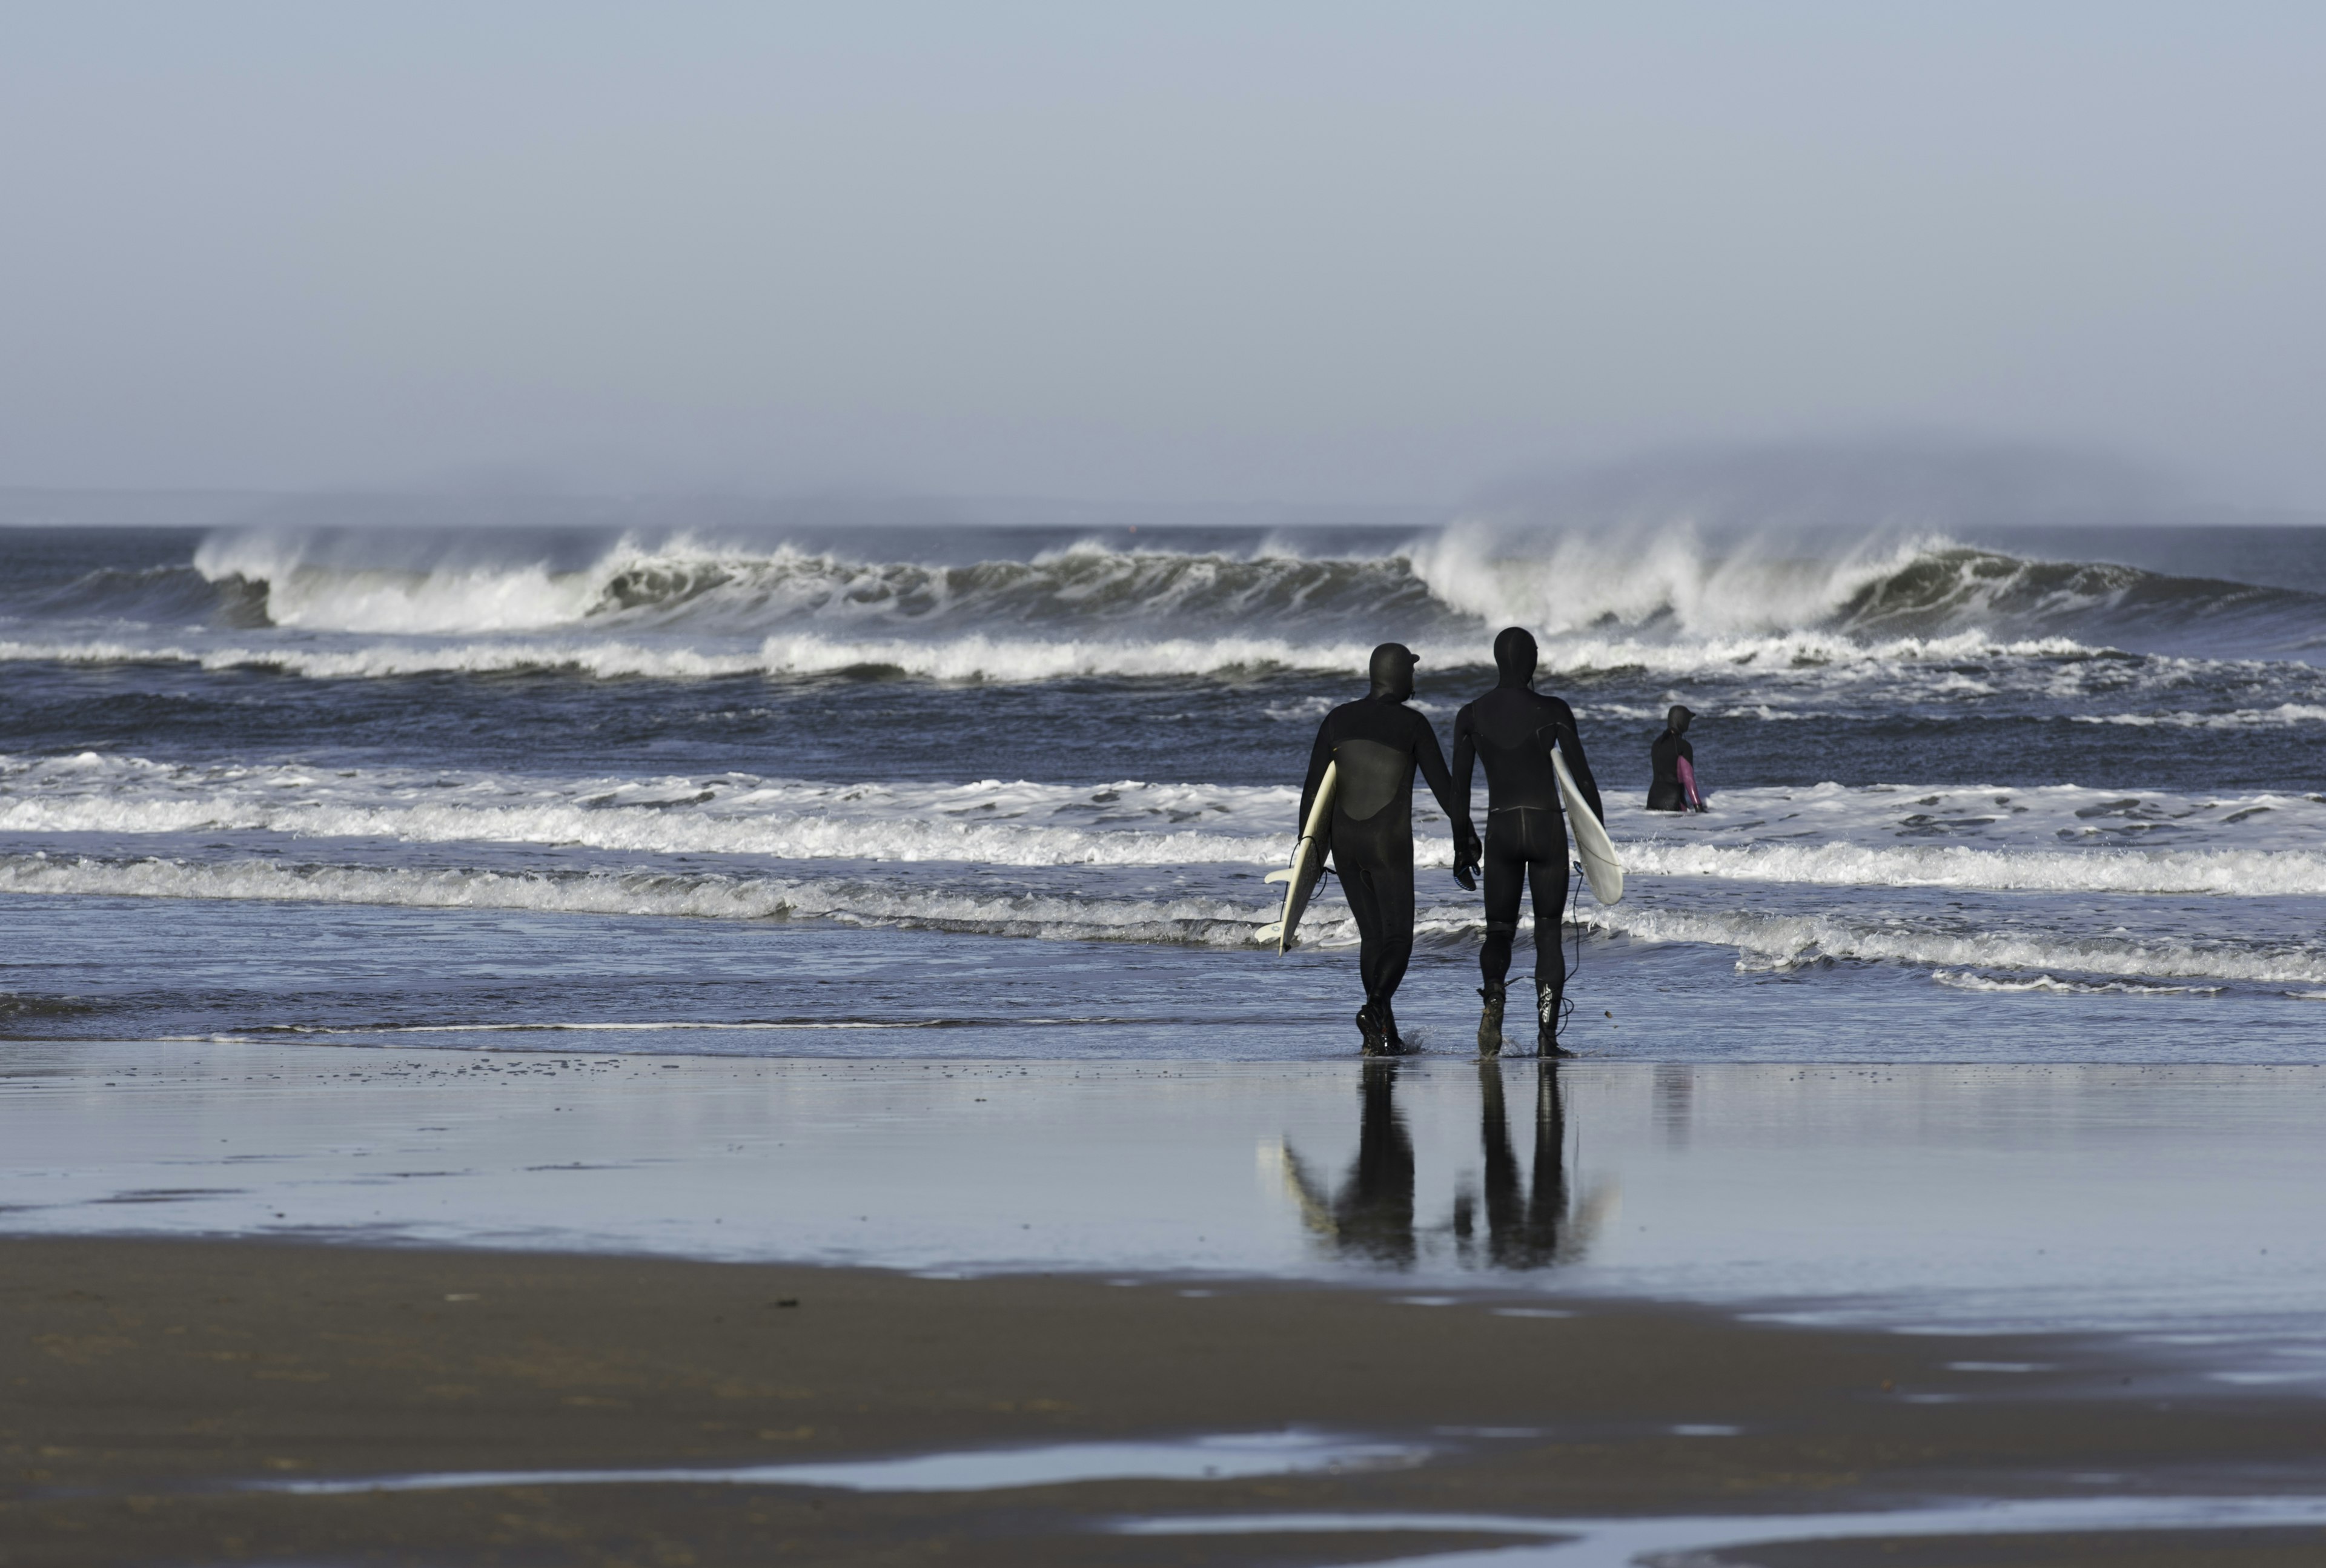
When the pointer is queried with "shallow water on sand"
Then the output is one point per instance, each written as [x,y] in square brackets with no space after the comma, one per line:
[2176,1204]
[173,969]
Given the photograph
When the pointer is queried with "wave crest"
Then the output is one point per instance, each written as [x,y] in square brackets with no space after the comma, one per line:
[1663,602]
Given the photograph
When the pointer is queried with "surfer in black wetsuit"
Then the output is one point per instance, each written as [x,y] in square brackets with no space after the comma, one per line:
[1512,729]
[1377,741]
[1674,759]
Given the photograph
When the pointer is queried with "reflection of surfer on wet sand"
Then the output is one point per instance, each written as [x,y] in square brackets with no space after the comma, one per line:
[1371,1216]
[1524,1229]
[1371,1219]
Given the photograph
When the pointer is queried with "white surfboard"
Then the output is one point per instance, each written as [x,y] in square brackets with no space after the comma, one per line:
[1600,866]
[1307,865]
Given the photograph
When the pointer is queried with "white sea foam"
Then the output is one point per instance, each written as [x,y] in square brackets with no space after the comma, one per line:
[2060,837]
[2047,985]
[2063,839]
[1781,670]
[1761,942]
[609,659]
[977,657]
[2284,713]
[1782,941]
[1211,921]
[2238,873]
[988,821]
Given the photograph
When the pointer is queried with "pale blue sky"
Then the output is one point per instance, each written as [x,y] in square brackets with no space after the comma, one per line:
[1249,252]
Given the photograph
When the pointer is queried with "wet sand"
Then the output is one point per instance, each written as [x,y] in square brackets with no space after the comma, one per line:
[146,1380]
[2160,1204]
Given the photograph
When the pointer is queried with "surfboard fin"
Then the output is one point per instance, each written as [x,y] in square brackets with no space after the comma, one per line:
[1283,876]
[1272,932]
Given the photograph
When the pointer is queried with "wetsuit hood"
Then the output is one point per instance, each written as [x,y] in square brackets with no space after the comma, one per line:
[1392,671]
[1676,720]
[1514,657]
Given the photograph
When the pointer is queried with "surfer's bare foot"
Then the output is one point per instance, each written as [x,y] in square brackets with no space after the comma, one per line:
[1490,1019]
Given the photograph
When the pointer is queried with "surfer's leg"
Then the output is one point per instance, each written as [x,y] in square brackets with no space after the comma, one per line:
[1549,875]
[1395,894]
[1549,879]
[1389,948]
[1376,859]
[1359,883]
[1505,880]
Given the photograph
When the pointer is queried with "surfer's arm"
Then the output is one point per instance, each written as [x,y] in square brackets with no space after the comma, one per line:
[1441,783]
[1320,758]
[1570,741]
[1467,850]
[1465,755]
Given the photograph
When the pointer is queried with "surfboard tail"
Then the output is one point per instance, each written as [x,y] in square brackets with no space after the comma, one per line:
[1601,868]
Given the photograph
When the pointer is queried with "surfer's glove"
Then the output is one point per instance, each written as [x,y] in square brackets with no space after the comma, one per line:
[1468,853]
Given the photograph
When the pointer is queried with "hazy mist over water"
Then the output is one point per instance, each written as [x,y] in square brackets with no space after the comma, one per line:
[1290,256]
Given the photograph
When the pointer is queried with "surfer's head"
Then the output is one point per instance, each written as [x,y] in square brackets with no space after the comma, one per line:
[1392,671]
[1514,657]
[1676,720]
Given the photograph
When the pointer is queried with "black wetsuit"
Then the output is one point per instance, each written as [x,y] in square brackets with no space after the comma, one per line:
[1511,730]
[1378,741]
[1665,794]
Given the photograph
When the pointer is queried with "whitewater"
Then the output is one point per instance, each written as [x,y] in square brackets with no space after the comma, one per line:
[1974,795]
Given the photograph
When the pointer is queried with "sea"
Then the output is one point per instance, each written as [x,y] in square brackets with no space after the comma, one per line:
[860,788]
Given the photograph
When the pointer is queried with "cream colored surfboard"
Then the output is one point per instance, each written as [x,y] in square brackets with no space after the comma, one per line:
[1307,865]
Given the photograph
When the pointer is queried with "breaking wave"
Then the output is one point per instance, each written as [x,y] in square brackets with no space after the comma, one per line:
[1080,589]
[688,607]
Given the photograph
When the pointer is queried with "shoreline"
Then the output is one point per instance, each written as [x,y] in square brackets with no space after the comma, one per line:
[147,1376]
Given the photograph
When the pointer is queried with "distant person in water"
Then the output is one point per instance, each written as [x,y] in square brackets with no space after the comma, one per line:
[1674,789]
[1512,729]
[1376,742]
